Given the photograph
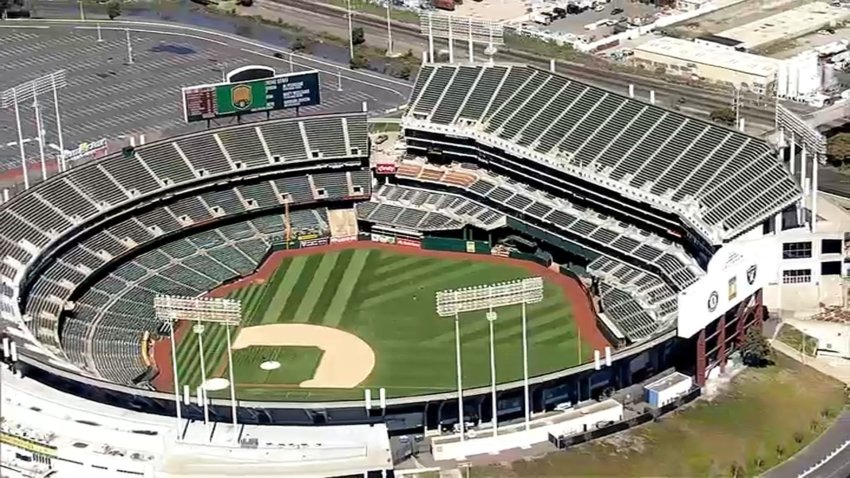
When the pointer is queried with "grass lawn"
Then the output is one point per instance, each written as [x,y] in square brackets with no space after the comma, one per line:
[387,299]
[793,337]
[766,416]
[296,364]
[397,14]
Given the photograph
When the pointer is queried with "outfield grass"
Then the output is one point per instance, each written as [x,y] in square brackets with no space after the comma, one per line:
[753,425]
[387,299]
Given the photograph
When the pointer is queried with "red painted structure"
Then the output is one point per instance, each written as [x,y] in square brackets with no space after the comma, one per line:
[723,337]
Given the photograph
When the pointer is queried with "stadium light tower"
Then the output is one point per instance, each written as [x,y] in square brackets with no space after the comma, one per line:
[488,297]
[201,310]
[29,91]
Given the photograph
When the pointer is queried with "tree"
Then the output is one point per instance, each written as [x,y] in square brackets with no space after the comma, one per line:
[736,470]
[113,9]
[301,43]
[358,36]
[12,9]
[723,115]
[838,147]
[358,62]
[402,71]
[755,349]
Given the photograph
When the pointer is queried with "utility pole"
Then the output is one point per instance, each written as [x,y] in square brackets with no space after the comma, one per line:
[350,32]
[129,48]
[389,32]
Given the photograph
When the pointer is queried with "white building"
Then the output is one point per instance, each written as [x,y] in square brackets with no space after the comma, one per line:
[789,24]
[667,389]
[45,429]
[800,76]
[691,5]
[712,62]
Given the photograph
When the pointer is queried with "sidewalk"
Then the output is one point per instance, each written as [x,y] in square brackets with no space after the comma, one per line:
[834,367]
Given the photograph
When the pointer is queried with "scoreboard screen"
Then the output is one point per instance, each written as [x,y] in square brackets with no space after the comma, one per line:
[293,90]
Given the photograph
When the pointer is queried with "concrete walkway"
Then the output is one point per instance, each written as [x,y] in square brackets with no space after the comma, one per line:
[834,367]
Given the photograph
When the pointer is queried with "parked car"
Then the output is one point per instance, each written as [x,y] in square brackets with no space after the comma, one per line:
[616,11]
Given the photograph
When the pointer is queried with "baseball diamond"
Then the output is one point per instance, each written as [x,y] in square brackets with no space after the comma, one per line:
[383,297]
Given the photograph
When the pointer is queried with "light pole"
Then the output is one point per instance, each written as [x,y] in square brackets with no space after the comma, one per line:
[350,31]
[232,386]
[199,329]
[61,161]
[389,31]
[450,303]
[491,318]
[40,133]
[129,47]
[460,416]
[21,140]
[226,312]
[176,383]
[525,365]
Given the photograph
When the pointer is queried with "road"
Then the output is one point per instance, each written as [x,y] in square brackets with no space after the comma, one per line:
[832,439]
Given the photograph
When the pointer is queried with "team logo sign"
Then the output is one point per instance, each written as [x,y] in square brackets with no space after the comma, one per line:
[751,274]
[241,97]
[713,299]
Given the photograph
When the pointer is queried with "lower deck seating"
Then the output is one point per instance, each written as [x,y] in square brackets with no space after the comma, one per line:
[104,334]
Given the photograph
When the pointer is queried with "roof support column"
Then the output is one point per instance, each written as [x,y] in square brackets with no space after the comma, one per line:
[814,206]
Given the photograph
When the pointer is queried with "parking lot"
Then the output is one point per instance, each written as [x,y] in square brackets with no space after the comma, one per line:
[575,24]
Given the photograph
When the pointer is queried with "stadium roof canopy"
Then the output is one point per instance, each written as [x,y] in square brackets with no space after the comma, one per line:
[721,181]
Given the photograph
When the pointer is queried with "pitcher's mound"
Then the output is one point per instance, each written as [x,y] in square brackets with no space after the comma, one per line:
[346,359]
[270,365]
[214,384]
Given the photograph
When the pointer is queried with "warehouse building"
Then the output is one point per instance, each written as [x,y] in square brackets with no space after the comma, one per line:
[789,24]
[712,63]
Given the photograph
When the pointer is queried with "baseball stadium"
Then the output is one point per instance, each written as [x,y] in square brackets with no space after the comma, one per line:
[631,214]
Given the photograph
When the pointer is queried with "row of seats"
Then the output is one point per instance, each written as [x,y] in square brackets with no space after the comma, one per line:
[733,180]
[104,334]
[70,270]
[421,210]
[639,303]
[595,229]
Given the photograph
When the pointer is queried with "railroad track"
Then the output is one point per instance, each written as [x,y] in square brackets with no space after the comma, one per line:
[695,99]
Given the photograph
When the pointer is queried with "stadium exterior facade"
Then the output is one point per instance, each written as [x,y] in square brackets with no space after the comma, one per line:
[639,199]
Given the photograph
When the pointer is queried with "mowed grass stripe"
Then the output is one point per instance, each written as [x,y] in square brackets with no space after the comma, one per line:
[410,290]
[346,287]
[330,286]
[504,330]
[285,312]
[391,262]
[317,283]
[475,326]
[422,269]
[189,364]
[250,301]
[281,291]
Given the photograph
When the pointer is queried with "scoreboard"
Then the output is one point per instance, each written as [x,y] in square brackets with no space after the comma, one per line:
[293,90]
